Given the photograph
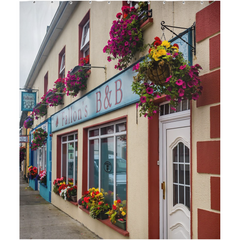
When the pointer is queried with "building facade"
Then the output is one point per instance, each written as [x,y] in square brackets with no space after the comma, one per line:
[166,169]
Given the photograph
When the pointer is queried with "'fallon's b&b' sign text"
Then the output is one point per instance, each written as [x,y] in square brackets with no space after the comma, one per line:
[113,94]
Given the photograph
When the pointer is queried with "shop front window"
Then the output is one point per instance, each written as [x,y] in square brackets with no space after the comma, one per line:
[42,158]
[107,161]
[69,158]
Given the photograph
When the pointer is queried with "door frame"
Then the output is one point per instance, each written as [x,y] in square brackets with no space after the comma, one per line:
[173,120]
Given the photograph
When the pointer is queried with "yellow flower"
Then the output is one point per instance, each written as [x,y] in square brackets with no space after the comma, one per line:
[175,48]
[121,209]
[161,52]
[166,44]
[115,202]
[123,213]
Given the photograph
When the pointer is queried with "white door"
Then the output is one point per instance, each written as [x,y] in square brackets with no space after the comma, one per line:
[174,173]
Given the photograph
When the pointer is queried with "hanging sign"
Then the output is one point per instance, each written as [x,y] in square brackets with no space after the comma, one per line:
[114,94]
[23,139]
[28,101]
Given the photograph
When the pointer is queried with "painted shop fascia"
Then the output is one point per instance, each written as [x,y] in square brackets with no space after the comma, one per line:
[113,94]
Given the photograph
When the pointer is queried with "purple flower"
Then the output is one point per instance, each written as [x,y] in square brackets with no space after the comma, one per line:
[190,84]
[195,96]
[179,82]
[149,90]
[126,43]
[173,108]
[136,67]
[143,99]
[109,59]
[168,97]
[181,92]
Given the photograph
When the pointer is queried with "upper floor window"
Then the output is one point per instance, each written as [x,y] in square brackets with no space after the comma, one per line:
[84,36]
[85,40]
[46,83]
[62,64]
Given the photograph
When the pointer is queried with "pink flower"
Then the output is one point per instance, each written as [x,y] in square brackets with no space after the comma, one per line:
[168,97]
[167,80]
[181,92]
[182,67]
[174,109]
[143,99]
[179,82]
[136,67]
[118,15]
[149,90]
[137,105]
[195,96]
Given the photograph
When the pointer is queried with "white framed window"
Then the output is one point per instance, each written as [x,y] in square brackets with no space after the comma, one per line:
[42,158]
[69,157]
[107,147]
[62,66]
[85,39]
[166,109]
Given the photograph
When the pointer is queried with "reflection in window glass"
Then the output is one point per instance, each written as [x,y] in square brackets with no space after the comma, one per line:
[107,166]
[107,130]
[76,162]
[107,161]
[64,160]
[121,180]
[70,161]
[93,163]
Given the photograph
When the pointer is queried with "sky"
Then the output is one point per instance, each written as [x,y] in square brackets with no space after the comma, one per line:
[34,19]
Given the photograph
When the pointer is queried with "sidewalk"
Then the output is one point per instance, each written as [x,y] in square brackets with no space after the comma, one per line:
[39,219]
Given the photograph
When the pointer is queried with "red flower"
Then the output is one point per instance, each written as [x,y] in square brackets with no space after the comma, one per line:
[118,15]
[157,43]
[157,39]
[119,201]
[176,45]
[114,207]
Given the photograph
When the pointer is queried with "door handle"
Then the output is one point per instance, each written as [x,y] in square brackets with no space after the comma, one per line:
[163,187]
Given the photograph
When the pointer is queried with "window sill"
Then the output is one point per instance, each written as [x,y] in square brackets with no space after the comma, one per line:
[73,203]
[146,24]
[108,223]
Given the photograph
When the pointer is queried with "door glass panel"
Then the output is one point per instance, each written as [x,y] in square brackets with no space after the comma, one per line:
[175,173]
[181,175]
[107,166]
[175,194]
[187,197]
[186,154]
[181,194]
[187,175]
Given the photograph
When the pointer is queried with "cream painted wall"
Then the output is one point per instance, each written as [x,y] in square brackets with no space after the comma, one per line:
[101,17]
[137,177]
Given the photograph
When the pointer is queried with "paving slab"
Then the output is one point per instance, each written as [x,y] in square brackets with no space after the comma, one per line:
[39,219]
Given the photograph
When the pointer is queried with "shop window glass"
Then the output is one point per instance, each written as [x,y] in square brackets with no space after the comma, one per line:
[69,159]
[107,161]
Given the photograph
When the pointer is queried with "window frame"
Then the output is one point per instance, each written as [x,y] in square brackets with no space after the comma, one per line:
[84,50]
[45,83]
[101,136]
[61,70]
[75,139]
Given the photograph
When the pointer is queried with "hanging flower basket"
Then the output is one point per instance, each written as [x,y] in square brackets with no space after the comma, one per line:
[32,172]
[28,122]
[54,97]
[165,71]
[40,109]
[39,138]
[126,37]
[158,73]
[78,81]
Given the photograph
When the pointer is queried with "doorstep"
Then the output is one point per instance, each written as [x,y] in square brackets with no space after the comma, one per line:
[108,223]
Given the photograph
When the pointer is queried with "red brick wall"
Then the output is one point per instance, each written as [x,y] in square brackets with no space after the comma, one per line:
[208,152]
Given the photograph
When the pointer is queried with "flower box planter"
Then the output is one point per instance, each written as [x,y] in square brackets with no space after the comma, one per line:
[121,224]
[102,215]
[108,223]
[33,183]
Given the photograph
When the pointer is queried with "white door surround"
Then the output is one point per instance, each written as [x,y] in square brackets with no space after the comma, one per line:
[174,133]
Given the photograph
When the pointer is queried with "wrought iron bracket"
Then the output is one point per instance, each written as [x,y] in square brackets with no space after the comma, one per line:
[192,29]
